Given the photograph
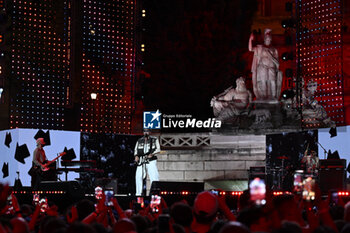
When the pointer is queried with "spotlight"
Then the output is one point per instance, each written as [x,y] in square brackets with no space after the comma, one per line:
[288,23]
[333,132]
[93,96]
[289,72]
[288,94]
[287,56]
[91,30]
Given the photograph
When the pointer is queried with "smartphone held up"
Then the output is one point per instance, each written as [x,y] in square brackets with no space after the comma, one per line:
[109,194]
[308,188]
[257,189]
[155,202]
[298,181]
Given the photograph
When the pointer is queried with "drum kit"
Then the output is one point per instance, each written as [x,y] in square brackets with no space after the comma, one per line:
[278,174]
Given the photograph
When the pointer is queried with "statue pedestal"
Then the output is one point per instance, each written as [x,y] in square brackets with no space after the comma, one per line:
[262,116]
[265,102]
[267,114]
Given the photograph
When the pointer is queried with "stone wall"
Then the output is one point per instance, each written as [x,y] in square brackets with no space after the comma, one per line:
[226,158]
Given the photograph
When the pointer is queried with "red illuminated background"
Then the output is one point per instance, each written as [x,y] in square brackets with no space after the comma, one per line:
[148,55]
[58,52]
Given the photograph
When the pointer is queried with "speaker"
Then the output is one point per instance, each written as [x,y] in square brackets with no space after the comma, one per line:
[332,178]
[332,163]
[176,187]
[70,188]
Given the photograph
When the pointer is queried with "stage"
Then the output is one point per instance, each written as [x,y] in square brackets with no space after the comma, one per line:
[220,161]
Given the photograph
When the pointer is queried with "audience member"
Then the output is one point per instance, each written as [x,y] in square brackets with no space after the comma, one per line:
[181,213]
[210,213]
[19,225]
[124,225]
[254,218]
[204,210]
[236,227]
[84,208]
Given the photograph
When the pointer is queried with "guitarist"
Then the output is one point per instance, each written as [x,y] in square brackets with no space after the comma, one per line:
[39,160]
[145,150]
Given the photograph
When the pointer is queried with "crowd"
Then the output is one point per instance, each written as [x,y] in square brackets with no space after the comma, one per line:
[209,213]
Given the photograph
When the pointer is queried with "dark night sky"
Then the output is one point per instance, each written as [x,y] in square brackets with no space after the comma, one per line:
[193,52]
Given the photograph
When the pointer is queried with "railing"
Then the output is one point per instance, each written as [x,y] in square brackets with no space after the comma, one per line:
[184,141]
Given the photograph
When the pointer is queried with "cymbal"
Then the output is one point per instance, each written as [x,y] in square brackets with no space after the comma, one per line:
[282,157]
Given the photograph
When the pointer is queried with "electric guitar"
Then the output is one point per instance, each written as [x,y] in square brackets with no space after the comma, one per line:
[46,168]
[143,159]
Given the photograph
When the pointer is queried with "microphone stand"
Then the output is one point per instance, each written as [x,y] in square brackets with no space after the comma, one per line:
[324,150]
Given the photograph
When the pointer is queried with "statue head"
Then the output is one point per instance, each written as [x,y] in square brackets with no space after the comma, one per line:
[267,36]
[240,82]
[311,85]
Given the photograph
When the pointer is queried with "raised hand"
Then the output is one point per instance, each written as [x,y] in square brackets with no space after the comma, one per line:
[52,211]
[5,191]
[15,203]
[74,215]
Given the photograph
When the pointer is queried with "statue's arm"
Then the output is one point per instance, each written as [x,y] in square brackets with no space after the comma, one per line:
[250,97]
[223,94]
[250,43]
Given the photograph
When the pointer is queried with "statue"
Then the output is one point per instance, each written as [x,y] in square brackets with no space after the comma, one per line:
[267,79]
[312,111]
[232,102]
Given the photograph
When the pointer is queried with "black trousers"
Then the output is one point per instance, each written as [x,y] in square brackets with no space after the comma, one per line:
[36,178]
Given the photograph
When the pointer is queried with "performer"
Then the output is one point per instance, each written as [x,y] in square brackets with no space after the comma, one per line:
[310,162]
[145,150]
[39,160]
[267,79]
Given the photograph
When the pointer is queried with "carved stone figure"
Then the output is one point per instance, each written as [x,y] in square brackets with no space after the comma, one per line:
[232,102]
[266,77]
[312,111]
